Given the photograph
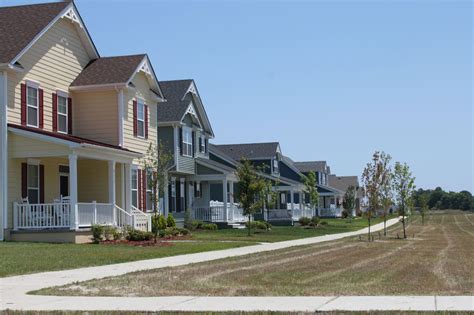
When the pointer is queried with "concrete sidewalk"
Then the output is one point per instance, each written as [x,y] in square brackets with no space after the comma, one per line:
[13,290]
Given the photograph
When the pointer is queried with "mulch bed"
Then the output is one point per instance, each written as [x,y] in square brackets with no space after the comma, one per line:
[159,243]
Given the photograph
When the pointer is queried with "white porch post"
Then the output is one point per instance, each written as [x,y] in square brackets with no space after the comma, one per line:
[3,153]
[128,189]
[112,182]
[224,197]
[231,198]
[292,200]
[73,191]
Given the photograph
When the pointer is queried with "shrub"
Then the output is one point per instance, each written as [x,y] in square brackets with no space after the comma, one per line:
[324,223]
[259,225]
[170,221]
[97,233]
[195,224]
[171,231]
[304,221]
[108,232]
[117,234]
[209,226]
[184,231]
[345,214]
[161,222]
[187,218]
[138,235]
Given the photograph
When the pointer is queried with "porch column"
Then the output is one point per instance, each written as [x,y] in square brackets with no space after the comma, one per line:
[112,182]
[224,195]
[128,189]
[74,220]
[292,199]
[231,190]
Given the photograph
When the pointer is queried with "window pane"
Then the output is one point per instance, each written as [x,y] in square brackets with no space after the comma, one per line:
[134,179]
[134,199]
[33,175]
[141,128]
[62,105]
[62,123]
[32,116]
[32,98]
[33,196]
[149,201]
[140,111]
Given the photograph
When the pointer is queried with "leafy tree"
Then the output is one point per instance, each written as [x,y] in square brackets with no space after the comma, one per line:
[371,183]
[156,162]
[251,190]
[386,190]
[349,201]
[404,186]
[311,189]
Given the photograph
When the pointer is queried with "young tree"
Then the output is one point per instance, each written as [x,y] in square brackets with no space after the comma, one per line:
[404,186]
[312,191]
[371,182]
[349,201]
[386,190]
[251,189]
[156,162]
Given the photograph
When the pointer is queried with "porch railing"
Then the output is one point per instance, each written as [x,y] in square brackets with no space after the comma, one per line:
[215,213]
[95,213]
[142,220]
[299,212]
[330,212]
[41,216]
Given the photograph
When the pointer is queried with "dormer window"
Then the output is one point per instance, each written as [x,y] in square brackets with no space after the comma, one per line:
[62,113]
[140,118]
[187,141]
[202,144]
[32,105]
[276,170]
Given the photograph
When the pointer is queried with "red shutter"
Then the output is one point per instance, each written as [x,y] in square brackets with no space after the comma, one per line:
[146,121]
[40,109]
[134,118]
[41,183]
[69,115]
[139,201]
[54,99]
[23,104]
[24,180]
[144,190]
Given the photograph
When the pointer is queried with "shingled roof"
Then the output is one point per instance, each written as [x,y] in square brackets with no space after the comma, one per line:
[343,182]
[174,108]
[249,150]
[109,70]
[315,166]
[19,25]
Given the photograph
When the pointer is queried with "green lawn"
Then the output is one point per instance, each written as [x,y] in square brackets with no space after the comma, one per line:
[23,258]
[284,233]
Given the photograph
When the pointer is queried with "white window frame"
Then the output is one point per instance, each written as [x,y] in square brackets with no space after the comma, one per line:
[202,149]
[28,188]
[32,85]
[141,103]
[198,191]
[134,190]
[187,135]
[65,96]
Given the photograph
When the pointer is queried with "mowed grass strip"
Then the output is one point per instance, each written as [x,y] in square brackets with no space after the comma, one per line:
[285,233]
[8,312]
[23,258]
[437,259]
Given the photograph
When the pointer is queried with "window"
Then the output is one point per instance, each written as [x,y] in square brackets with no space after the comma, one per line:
[135,187]
[197,190]
[140,118]
[32,111]
[283,198]
[181,195]
[187,141]
[275,167]
[33,183]
[149,193]
[202,144]
[62,113]
[173,187]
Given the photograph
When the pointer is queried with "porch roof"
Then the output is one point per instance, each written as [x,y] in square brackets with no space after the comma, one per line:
[69,139]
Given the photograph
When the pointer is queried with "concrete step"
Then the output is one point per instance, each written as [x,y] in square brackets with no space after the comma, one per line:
[237,225]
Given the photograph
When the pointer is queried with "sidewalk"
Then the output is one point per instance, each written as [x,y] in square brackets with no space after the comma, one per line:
[13,289]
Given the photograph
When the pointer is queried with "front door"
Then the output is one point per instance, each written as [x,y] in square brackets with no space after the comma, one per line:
[64,185]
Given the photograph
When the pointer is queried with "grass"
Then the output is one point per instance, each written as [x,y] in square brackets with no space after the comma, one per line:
[284,233]
[228,313]
[23,258]
[436,259]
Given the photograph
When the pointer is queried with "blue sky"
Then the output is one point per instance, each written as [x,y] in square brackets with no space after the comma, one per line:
[329,80]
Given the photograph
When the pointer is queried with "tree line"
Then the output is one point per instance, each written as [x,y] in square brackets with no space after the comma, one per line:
[439,199]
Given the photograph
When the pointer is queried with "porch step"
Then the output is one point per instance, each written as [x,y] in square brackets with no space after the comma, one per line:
[239,226]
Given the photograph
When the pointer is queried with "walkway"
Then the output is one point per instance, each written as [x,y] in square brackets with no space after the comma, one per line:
[13,290]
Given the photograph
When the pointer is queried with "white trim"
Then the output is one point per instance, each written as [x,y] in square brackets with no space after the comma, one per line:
[35,86]
[141,102]
[37,188]
[92,52]
[33,162]
[134,168]
[145,66]
[120,102]
[99,87]
[184,130]
[3,152]
[32,83]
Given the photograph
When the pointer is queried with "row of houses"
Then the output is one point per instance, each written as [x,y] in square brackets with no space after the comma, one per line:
[74,127]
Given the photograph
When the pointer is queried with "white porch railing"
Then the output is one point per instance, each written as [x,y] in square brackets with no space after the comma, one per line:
[330,212]
[41,216]
[95,213]
[215,213]
[302,211]
[142,220]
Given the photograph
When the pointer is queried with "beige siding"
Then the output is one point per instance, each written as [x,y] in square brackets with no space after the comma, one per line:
[96,116]
[54,61]
[92,181]
[143,91]
[19,146]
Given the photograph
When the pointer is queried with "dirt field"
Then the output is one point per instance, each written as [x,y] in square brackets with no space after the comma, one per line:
[438,260]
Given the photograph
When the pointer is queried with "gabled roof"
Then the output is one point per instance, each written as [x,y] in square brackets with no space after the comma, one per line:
[176,105]
[22,25]
[315,166]
[343,182]
[251,151]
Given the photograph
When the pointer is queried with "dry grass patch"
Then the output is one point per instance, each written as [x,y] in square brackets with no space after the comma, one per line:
[439,260]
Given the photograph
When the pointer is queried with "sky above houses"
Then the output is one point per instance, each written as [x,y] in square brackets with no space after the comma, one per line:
[329,80]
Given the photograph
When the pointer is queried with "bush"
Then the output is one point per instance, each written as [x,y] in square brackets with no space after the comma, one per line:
[117,234]
[108,232]
[138,235]
[304,221]
[184,231]
[195,224]
[97,233]
[170,221]
[171,231]
[187,218]
[345,213]
[324,223]
[209,226]
[259,225]
[315,221]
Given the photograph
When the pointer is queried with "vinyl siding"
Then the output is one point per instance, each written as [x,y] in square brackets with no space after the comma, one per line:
[92,181]
[96,116]
[19,146]
[287,172]
[166,137]
[54,61]
[186,163]
[142,90]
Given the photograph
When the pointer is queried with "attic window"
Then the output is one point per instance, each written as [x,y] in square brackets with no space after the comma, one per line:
[275,166]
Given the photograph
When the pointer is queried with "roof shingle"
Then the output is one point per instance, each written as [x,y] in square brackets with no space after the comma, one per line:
[249,150]
[174,108]
[315,166]
[343,182]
